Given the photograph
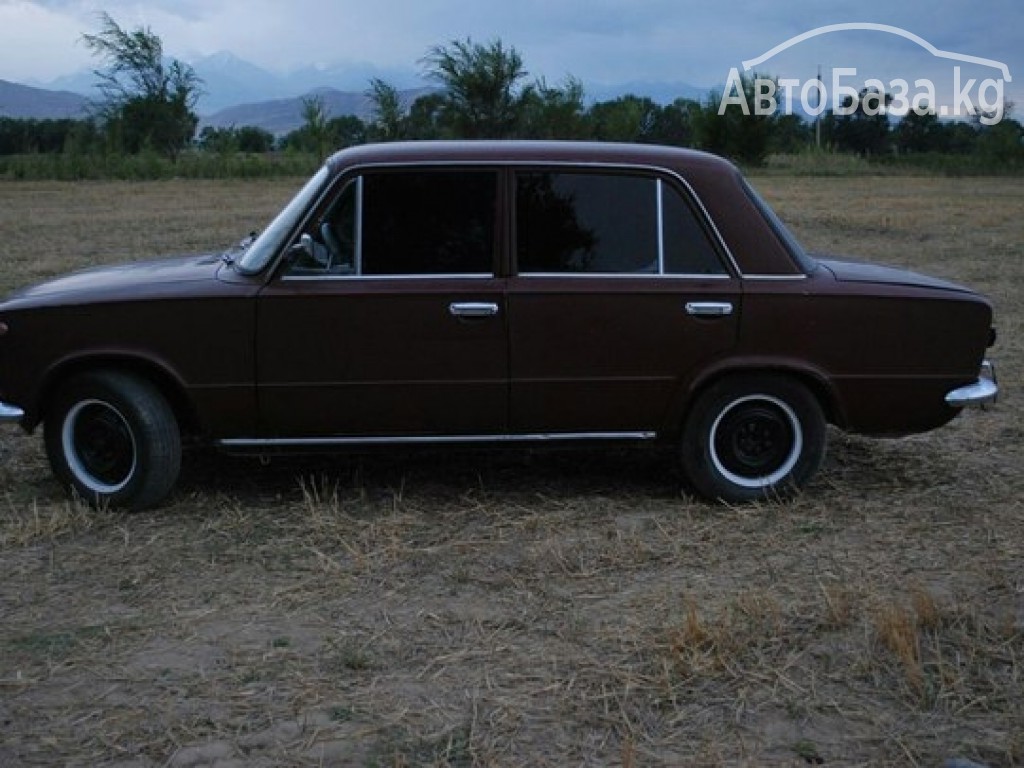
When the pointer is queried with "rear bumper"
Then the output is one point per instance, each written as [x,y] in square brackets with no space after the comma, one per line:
[10,414]
[984,390]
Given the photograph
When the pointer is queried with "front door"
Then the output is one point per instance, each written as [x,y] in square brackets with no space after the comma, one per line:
[387,319]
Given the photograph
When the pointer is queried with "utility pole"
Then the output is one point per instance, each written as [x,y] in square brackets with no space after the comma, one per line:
[817,117]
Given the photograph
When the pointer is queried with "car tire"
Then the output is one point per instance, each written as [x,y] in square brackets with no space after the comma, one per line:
[753,437]
[113,439]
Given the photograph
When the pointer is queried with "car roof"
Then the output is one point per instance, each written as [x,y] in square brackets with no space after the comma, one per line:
[519,151]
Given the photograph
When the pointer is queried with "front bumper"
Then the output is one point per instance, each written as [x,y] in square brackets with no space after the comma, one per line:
[984,390]
[10,413]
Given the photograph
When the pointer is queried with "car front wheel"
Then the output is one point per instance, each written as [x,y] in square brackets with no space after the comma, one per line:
[112,439]
[753,437]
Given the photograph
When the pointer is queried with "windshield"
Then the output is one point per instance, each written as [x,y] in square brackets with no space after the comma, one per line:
[272,239]
[807,264]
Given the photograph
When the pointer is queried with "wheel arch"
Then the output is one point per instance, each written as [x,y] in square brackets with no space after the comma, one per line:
[160,376]
[815,380]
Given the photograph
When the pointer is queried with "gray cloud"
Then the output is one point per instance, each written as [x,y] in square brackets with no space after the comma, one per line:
[595,40]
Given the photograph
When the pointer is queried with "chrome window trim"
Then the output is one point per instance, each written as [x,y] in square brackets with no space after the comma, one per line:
[529,275]
[628,275]
[430,276]
[587,165]
[358,266]
[660,212]
[801,276]
[285,442]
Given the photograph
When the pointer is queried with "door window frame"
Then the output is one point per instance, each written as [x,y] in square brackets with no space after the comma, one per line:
[676,186]
[357,175]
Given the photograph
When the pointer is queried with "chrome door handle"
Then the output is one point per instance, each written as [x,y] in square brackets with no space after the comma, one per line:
[709,308]
[473,309]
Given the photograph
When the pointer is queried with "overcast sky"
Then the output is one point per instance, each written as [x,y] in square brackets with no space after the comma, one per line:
[598,41]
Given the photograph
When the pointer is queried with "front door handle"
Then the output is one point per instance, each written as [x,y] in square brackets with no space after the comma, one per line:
[473,309]
[709,308]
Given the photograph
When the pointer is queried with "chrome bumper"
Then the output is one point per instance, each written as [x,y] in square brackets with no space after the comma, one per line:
[10,413]
[984,390]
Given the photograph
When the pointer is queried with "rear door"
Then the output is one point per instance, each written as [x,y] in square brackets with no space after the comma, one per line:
[620,296]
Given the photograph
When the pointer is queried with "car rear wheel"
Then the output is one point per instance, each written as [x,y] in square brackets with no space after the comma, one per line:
[113,440]
[753,437]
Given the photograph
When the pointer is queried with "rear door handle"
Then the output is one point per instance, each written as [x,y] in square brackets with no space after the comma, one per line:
[473,309]
[709,308]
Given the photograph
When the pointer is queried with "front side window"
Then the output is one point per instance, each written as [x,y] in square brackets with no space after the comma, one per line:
[407,222]
[428,222]
[593,223]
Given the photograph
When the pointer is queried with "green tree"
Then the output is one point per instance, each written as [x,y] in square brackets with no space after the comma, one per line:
[149,101]
[223,141]
[863,124]
[790,134]
[346,131]
[1002,145]
[426,117]
[627,118]
[735,126]
[388,120]
[483,98]
[919,131]
[254,140]
[314,124]
[555,112]
[673,123]
[226,141]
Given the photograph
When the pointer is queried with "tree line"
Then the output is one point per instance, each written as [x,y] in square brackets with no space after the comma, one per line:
[483,91]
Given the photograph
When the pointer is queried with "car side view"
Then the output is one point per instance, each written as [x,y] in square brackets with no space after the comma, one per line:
[483,292]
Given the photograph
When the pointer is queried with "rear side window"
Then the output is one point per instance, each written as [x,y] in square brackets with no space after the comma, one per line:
[580,223]
[688,249]
[568,222]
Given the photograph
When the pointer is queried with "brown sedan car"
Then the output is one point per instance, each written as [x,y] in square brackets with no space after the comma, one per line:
[486,292]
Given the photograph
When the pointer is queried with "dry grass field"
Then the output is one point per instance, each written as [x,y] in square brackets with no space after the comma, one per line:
[526,608]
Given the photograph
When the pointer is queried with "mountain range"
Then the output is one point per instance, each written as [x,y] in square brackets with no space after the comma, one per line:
[23,102]
[236,92]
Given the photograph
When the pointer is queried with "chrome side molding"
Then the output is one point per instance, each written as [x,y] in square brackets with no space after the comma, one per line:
[10,413]
[328,442]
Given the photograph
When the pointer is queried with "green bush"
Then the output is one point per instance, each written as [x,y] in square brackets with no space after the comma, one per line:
[150,166]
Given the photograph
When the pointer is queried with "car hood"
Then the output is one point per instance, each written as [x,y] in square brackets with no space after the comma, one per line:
[850,271]
[126,281]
